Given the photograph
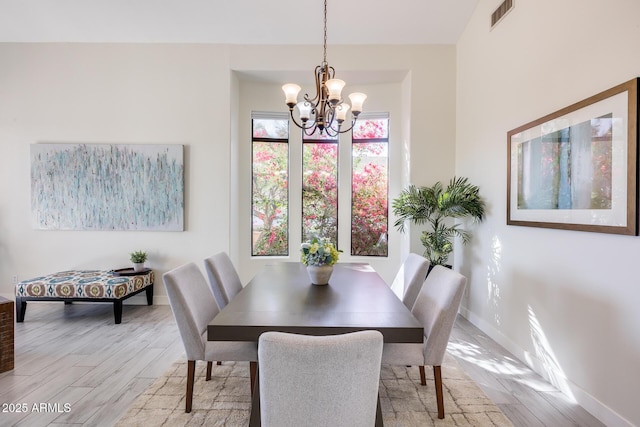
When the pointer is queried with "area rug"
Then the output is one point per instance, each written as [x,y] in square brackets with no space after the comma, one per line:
[226,400]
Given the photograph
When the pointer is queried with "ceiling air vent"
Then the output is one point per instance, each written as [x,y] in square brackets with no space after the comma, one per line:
[500,12]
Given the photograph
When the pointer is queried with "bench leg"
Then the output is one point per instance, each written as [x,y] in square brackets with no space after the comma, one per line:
[149,291]
[117,311]
[21,308]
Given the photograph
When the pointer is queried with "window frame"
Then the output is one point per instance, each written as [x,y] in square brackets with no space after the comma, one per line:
[270,116]
[385,140]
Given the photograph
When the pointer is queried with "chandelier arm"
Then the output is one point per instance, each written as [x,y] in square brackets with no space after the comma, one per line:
[331,132]
[330,116]
[316,99]
[353,123]
[301,126]
[310,131]
[340,130]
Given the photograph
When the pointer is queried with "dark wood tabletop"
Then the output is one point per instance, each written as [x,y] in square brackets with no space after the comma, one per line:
[281,298]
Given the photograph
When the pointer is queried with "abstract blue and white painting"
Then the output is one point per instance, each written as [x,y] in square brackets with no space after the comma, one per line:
[107,187]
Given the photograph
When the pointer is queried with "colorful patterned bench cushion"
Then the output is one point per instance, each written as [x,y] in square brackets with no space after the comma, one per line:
[98,284]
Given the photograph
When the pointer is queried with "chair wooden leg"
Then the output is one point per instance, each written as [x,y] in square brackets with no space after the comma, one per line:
[437,375]
[209,367]
[191,373]
[423,376]
[252,374]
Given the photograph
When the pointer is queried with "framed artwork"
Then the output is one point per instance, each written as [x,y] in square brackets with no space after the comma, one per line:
[107,187]
[576,169]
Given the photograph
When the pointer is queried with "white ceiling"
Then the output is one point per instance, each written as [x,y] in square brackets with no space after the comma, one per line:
[234,21]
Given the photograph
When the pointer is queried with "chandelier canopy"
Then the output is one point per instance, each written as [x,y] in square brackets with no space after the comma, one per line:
[326,111]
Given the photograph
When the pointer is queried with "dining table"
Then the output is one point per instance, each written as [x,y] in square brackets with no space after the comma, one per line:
[281,297]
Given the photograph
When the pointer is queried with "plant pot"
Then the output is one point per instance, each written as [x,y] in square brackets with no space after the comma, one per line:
[319,274]
[138,266]
[449,266]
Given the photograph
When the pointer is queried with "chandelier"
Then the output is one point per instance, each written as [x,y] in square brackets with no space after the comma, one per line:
[326,111]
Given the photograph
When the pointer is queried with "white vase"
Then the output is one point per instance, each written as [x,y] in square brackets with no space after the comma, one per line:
[319,274]
[138,266]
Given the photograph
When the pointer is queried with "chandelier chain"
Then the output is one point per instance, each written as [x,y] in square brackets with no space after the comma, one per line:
[325,112]
[325,32]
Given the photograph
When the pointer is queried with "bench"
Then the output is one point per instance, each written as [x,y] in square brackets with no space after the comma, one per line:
[85,285]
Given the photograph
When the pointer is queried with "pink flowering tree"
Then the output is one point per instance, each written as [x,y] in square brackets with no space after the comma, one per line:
[369,192]
[320,191]
[369,210]
[369,202]
[270,201]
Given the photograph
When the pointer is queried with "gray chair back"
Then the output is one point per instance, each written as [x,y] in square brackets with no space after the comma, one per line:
[436,308]
[193,307]
[223,278]
[413,272]
[319,380]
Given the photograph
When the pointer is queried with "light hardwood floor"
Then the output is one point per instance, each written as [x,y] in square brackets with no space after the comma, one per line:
[76,355]
[524,396]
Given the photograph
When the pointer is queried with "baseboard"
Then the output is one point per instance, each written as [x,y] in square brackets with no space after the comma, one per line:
[160,300]
[592,405]
[11,297]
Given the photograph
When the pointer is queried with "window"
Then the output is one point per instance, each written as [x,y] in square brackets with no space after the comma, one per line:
[270,176]
[320,187]
[316,172]
[369,186]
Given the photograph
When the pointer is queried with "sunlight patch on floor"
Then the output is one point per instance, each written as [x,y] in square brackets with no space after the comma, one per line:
[544,353]
[476,355]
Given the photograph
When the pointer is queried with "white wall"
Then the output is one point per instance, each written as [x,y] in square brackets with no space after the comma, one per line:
[198,96]
[564,301]
[88,93]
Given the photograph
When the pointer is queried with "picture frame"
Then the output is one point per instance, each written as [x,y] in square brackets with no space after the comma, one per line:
[107,187]
[577,168]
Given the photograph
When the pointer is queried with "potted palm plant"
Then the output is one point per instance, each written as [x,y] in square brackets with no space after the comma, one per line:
[435,206]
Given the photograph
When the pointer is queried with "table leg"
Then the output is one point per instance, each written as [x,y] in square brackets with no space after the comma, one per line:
[254,419]
[21,308]
[117,311]
[149,291]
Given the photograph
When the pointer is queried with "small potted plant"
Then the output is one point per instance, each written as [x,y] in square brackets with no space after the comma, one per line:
[319,255]
[138,259]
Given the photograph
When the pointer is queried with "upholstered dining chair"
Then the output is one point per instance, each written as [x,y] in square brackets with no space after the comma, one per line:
[436,308]
[410,278]
[319,380]
[193,307]
[223,278]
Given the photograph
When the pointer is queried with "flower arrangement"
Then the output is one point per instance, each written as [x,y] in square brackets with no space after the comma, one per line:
[319,252]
